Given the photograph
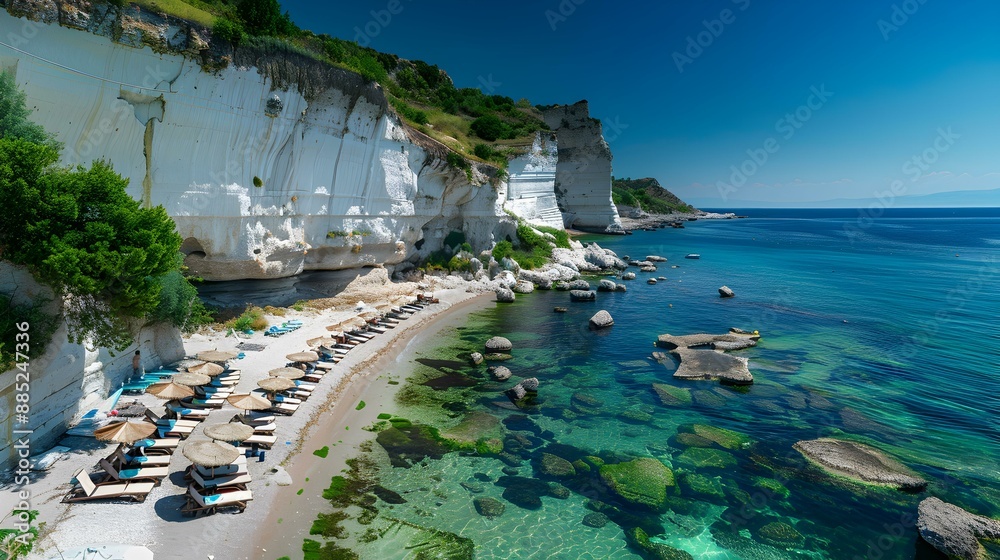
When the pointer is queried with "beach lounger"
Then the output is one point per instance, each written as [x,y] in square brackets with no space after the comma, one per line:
[265,429]
[153,417]
[163,445]
[261,440]
[195,402]
[206,482]
[237,467]
[304,386]
[121,459]
[253,419]
[279,398]
[225,391]
[200,503]
[90,490]
[174,431]
[284,408]
[188,413]
[153,474]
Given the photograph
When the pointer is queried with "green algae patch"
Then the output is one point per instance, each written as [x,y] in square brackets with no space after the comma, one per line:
[384,416]
[780,534]
[642,481]
[301,490]
[771,486]
[328,525]
[313,550]
[704,486]
[638,539]
[337,489]
[361,404]
[692,440]
[475,428]
[699,458]
[728,439]
[554,465]
[672,396]
[322,452]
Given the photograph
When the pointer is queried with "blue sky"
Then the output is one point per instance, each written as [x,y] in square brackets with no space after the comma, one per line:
[901,79]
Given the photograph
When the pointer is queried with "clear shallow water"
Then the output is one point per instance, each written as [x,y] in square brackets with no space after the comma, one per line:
[887,339]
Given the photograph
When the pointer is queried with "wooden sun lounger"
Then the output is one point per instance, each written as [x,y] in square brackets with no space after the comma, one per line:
[284,408]
[253,419]
[265,429]
[187,413]
[174,431]
[125,460]
[153,474]
[203,403]
[237,467]
[198,503]
[153,417]
[166,445]
[261,440]
[89,490]
[237,480]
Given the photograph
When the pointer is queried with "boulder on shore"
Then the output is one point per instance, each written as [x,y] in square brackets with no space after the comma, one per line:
[498,344]
[505,295]
[524,287]
[725,292]
[954,531]
[582,295]
[860,463]
[601,320]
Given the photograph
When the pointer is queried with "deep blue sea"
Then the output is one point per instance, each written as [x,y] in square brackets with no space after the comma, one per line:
[880,331]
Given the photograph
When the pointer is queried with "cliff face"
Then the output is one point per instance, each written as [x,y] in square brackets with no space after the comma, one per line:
[262,182]
[583,174]
[530,191]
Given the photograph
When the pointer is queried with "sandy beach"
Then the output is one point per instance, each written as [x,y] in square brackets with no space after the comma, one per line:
[328,418]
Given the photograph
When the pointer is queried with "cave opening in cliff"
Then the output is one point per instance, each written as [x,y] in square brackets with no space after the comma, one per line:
[191,247]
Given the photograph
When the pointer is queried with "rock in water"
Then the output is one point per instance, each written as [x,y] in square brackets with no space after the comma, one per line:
[498,344]
[530,384]
[651,281]
[628,276]
[601,320]
[859,462]
[725,292]
[954,531]
[582,295]
[500,373]
[505,295]
[641,481]
[524,288]
[553,465]
[595,520]
[655,258]
[606,286]
[476,358]
[489,507]
[621,288]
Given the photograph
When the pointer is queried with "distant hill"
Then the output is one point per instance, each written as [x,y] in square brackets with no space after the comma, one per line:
[647,194]
[984,198]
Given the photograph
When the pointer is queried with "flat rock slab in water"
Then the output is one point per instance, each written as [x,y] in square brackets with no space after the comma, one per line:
[859,462]
[954,531]
[702,357]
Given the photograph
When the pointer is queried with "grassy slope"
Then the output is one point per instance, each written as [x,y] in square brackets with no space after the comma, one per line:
[647,194]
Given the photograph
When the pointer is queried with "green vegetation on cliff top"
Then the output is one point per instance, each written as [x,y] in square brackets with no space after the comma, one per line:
[647,194]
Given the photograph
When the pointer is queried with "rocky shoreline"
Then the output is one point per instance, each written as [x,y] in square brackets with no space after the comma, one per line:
[632,221]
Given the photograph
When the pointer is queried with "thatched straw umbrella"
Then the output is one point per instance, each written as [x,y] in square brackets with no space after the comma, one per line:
[215,356]
[210,454]
[170,391]
[248,402]
[231,432]
[125,432]
[274,384]
[287,373]
[189,379]
[210,369]
[302,357]
[186,363]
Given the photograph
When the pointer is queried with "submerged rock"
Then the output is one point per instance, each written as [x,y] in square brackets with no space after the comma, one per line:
[500,373]
[595,520]
[601,320]
[700,458]
[725,438]
[476,358]
[582,295]
[474,428]
[523,492]
[641,481]
[954,531]
[658,551]
[489,507]
[780,534]
[498,357]
[672,396]
[554,465]
[725,292]
[859,462]
[498,344]
[530,384]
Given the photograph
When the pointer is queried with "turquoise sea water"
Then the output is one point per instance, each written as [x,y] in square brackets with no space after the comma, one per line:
[881,332]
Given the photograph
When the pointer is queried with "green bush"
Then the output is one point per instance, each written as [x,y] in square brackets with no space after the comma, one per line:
[409,113]
[491,128]
[179,302]
[458,161]
[228,30]
[251,318]
[264,17]
[41,326]
[14,122]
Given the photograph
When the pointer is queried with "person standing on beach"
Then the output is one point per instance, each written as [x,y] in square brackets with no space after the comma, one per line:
[137,371]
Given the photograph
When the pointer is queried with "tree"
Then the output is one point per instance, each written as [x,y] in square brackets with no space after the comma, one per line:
[78,231]
[490,128]
[14,114]
[264,17]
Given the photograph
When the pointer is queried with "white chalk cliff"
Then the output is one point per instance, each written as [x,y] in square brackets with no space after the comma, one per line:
[530,189]
[583,174]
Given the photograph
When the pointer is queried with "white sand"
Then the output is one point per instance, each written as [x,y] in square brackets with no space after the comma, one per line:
[157,522]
